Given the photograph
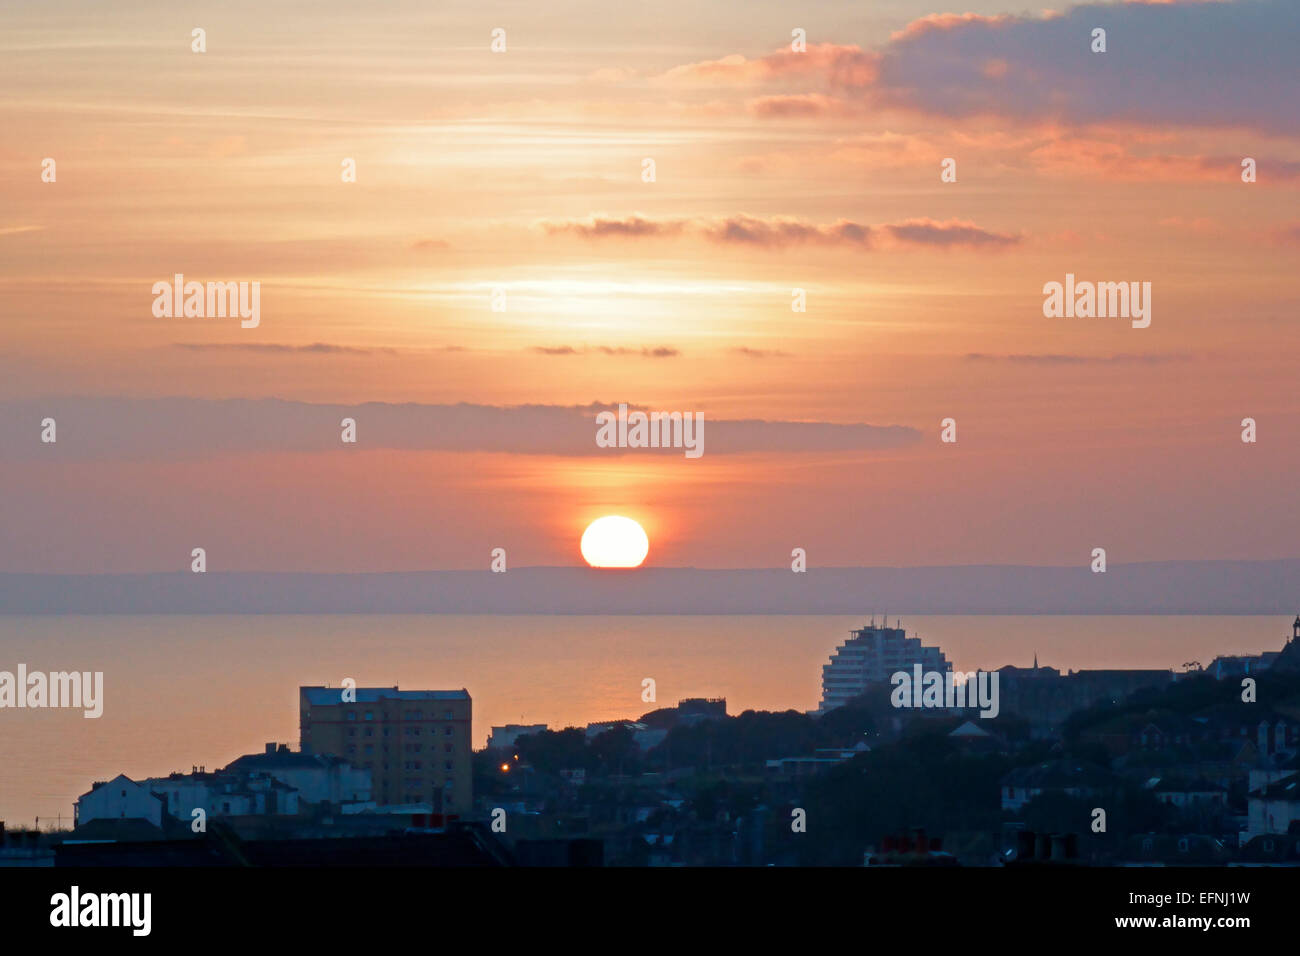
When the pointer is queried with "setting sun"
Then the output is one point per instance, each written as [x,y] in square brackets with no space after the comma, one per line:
[614,542]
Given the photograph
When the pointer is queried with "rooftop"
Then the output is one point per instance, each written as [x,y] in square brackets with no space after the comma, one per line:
[325,696]
[281,760]
[1288,788]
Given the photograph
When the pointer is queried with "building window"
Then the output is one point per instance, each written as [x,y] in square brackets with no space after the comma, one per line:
[352,715]
[448,715]
[448,731]
[370,715]
[370,731]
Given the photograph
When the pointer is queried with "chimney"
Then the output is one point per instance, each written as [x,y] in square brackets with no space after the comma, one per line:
[284,748]
[1059,849]
[270,748]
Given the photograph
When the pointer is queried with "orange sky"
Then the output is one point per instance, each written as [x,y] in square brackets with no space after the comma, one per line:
[522,170]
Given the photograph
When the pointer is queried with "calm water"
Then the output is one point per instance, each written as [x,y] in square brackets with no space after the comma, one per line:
[185,691]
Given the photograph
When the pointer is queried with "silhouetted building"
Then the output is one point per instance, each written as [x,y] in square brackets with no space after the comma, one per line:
[119,799]
[694,709]
[1046,697]
[319,779]
[415,743]
[1043,849]
[221,793]
[1073,778]
[504,737]
[1241,665]
[1273,808]
[1288,659]
[872,655]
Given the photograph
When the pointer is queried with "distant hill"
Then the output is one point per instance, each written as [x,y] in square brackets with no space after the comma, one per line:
[1173,587]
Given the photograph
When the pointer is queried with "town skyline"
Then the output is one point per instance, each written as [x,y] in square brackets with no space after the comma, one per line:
[1229,657]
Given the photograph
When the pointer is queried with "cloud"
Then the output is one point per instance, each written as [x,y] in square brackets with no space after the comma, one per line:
[788,106]
[1116,159]
[946,21]
[954,232]
[662,351]
[633,227]
[319,348]
[837,66]
[777,232]
[169,429]
[1117,153]
[758,353]
[781,231]
[887,149]
[1212,64]
[1061,359]
[1202,64]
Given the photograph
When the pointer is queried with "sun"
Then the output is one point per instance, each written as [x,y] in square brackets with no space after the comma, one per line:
[614,542]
